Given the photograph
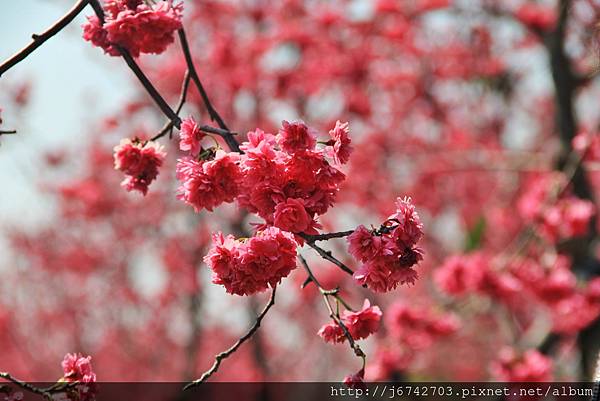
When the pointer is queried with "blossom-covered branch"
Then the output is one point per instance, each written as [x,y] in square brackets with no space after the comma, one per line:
[78,381]
[38,40]
[225,354]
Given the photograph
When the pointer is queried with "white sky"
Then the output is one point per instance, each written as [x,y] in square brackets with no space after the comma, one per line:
[73,84]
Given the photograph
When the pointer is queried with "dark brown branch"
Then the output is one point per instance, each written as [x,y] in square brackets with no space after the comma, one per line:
[168,127]
[333,315]
[225,354]
[25,386]
[9,132]
[46,392]
[214,115]
[38,40]
[327,255]
[135,68]
[327,236]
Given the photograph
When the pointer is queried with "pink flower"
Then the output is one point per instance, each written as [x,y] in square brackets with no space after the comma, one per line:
[95,33]
[530,366]
[139,161]
[356,380]
[360,324]
[419,327]
[537,16]
[207,184]
[340,148]
[190,137]
[245,268]
[292,216]
[410,229]
[363,323]
[461,274]
[389,253]
[135,26]
[295,136]
[569,217]
[364,245]
[332,333]
[78,368]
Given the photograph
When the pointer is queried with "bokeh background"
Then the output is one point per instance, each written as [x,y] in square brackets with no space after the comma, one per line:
[457,104]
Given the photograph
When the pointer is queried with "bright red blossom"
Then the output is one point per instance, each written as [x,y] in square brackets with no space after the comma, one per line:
[139,161]
[360,324]
[190,137]
[340,148]
[78,368]
[296,136]
[206,184]
[389,253]
[247,267]
[530,366]
[135,26]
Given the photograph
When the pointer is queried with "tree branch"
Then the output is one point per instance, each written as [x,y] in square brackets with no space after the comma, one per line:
[38,40]
[46,392]
[225,354]
[214,115]
[327,236]
[327,255]
[168,127]
[334,315]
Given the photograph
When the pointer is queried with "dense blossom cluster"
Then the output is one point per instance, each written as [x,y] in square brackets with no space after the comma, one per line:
[139,161]
[360,324]
[418,327]
[473,273]
[558,219]
[530,366]
[388,254]
[467,135]
[249,266]
[283,178]
[134,25]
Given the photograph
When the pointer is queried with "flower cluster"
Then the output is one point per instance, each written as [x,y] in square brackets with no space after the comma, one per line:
[208,183]
[135,26]
[389,253]
[360,324]
[472,273]
[530,366]
[356,380]
[139,161]
[418,327]
[77,368]
[283,178]
[251,266]
[564,218]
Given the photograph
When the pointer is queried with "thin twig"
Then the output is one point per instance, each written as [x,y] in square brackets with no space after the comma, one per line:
[9,132]
[225,354]
[135,68]
[334,315]
[38,40]
[168,127]
[214,115]
[46,392]
[327,255]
